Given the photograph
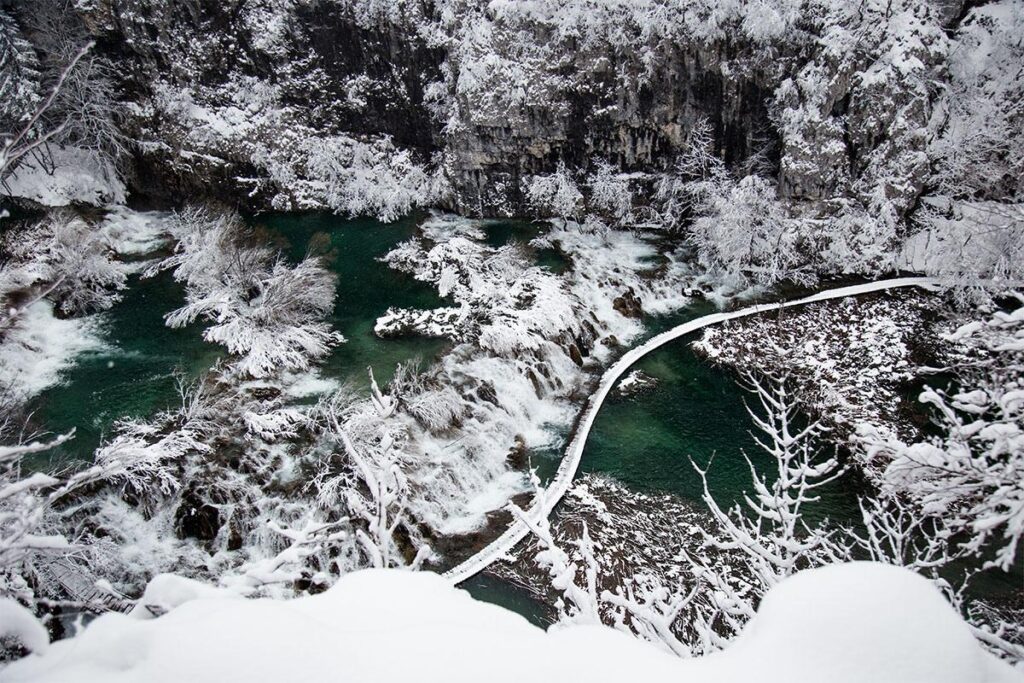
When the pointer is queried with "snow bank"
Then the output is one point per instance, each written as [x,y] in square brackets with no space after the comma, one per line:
[966,242]
[19,625]
[80,176]
[856,622]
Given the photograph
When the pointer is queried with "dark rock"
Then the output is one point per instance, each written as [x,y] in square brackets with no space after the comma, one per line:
[196,518]
[518,457]
[574,353]
[455,548]
[265,393]
[538,388]
[628,304]
[487,392]
[234,539]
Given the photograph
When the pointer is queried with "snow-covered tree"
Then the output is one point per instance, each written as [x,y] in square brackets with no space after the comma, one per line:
[974,247]
[69,258]
[87,103]
[642,607]
[32,535]
[375,179]
[771,532]
[742,230]
[31,135]
[556,195]
[580,603]
[674,193]
[751,547]
[505,304]
[610,194]
[19,75]
[976,142]
[266,312]
[971,476]
[742,552]
[371,484]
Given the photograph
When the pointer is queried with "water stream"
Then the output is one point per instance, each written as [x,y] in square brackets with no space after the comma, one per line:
[695,410]
[134,375]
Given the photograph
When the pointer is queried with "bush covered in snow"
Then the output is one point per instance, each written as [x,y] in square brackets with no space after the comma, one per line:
[268,314]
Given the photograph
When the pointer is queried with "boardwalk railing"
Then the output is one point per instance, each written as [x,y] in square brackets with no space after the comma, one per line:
[558,487]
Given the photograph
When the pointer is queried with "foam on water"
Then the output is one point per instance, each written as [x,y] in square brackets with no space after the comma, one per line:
[41,346]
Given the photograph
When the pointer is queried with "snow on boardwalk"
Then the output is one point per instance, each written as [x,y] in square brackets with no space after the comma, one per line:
[558,487]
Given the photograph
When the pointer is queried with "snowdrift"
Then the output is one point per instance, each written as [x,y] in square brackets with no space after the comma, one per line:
[854,622]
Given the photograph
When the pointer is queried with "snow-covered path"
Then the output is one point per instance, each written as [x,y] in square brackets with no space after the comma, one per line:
[574,453]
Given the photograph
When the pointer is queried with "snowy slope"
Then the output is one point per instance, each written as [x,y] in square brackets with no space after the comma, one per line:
[79,176]
[857,622]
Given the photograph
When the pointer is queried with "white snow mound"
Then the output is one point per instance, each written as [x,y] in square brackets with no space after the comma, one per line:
[855,622]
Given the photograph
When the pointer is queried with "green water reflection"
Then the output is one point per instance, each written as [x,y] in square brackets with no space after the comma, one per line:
[134,375]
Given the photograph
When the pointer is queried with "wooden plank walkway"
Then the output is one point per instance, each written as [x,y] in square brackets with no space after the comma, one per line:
[558,487]
[79,587]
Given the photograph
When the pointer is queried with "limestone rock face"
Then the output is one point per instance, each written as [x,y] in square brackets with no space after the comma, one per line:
[602,105]
[268,103]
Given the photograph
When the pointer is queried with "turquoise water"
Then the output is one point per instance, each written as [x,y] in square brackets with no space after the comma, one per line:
[696,410]
[134,376]
[500,233]
[366,288]
[504,594]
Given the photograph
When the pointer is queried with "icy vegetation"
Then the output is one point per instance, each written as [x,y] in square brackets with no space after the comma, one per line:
[826,140]
[790,140]
[246,484]
[851,358]
[266,312]
[934,499]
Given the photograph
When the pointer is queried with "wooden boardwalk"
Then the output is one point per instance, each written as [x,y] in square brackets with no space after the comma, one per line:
[79,587]
[558,487]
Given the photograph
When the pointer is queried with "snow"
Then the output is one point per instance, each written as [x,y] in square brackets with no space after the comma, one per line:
[18,624]
[527,339]
[81,176]
[849,357]
[298,167]
[306,384]
[635,382]
[165,592]
[966,242]
[855,622]
[41,346]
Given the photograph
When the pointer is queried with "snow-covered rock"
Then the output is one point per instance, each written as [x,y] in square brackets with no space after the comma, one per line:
[635,382]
